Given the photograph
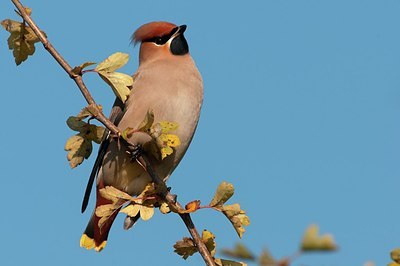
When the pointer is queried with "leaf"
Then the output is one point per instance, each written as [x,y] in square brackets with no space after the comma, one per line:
[22,49]
[167,126]
[75,123]
[78,149]
[113,62]
[209,241]
[185,247]
[147,122]
[21,40]
[114,194]
[94,133]
[131,210]
[105,210]
[223,194]
[240,251]
[165,151]
[146,212]
[119,83]
[90,110]
[222,262]
[164,208]
[395,255]
[191,206]
[166,142]
[169,140]
[80,145]
[266,259]
[237,217]
[313,242]
[78,69]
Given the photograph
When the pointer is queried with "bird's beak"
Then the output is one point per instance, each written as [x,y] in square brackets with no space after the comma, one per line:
[179,30]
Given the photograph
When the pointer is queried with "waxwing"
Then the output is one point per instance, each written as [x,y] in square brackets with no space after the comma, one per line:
[168,83]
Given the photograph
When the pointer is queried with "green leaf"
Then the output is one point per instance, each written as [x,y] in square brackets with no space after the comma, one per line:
[240,251]
[314,242]
[75,123]
[185,247]
[223,194]
[147,122]
[119,83]
[113,62]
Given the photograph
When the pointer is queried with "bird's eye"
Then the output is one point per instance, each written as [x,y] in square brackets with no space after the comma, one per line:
[159,41]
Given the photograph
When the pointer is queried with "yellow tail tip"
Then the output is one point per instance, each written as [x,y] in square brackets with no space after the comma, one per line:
[88,243]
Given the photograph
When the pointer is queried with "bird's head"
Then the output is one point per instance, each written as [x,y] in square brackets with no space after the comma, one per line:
[160,40]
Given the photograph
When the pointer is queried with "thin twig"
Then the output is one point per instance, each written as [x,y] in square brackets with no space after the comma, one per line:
[169,198]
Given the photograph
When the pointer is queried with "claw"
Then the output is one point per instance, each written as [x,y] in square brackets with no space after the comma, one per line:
[135,151]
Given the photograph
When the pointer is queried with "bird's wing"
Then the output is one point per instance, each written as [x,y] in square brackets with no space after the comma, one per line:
[116,114]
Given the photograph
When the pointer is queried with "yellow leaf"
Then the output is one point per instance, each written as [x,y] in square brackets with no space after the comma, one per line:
[313,242]
[167,126]
[231,210]
[222,262]
[89,110]
[169,140]
[209,241]
[223,194]
[164,208]
[185,247]
[28,10]
[266,259]
[240,251]
[94,133]
[113,62]
[114,194]
[237,217]
[21,40]
[78,149]
[395,255]
[165,151]
[105,210]
[131,210]
[146,212]
[393,264]
[119,83]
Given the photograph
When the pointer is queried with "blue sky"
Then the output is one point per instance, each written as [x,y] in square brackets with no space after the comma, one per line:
[301,113]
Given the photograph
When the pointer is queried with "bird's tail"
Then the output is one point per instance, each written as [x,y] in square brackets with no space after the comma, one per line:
[95,237]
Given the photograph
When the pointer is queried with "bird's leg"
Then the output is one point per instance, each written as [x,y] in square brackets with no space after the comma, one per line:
[174,196]
[135,151]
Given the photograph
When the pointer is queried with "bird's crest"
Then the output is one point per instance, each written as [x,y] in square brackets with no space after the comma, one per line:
[151,30]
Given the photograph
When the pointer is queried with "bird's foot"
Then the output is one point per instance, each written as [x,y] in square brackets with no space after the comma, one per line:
[135,151]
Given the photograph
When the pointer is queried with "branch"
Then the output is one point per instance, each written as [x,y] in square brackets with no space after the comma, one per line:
[169,198]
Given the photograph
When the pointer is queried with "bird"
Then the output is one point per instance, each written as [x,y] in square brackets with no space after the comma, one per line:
[168,83]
